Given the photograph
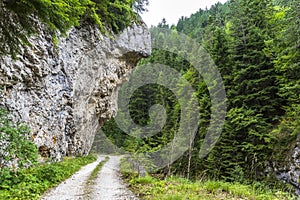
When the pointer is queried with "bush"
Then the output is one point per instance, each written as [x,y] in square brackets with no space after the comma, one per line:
[179,188]
[20,175]
[32,182]
[16,151]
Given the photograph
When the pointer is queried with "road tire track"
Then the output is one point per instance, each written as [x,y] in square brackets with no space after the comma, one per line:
[74,187]
[109,185]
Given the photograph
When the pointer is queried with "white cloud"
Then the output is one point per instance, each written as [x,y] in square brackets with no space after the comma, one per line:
[172,10]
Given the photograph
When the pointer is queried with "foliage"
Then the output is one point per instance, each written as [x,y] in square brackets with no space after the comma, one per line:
[19,17]
[31,183]
[16,151]
[255,45]
[178,188]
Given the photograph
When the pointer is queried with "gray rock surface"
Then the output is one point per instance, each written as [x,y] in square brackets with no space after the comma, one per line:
[66,92]
[289,170]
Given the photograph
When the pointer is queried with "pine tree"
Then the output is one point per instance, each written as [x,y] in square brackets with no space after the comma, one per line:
[254,103]
[286,56]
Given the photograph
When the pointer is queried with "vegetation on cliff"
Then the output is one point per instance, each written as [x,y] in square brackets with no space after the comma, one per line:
[21,177]
[16,150]
[18,17]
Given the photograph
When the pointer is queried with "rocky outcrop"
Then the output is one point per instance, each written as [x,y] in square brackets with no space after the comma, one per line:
[289,169]
[66,92]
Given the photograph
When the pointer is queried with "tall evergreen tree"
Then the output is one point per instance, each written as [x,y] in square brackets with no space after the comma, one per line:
[254,103]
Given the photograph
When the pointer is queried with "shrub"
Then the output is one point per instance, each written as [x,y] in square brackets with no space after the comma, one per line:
[32,182]
[15,148]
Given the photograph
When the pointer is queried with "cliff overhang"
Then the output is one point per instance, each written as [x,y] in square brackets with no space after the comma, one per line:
[66,92]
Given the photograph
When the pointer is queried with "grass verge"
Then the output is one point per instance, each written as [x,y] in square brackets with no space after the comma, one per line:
[31,183]
[95,172]
[93,176]
[179,189]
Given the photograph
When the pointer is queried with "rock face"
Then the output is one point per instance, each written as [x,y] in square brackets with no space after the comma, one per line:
[66,92]
[289,170]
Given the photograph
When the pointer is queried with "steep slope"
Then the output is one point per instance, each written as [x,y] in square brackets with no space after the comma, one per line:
[66,91]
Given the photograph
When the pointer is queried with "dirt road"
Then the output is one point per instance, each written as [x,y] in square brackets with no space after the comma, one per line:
[108,185]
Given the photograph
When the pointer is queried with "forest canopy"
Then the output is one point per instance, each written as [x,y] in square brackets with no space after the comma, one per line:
[255,46]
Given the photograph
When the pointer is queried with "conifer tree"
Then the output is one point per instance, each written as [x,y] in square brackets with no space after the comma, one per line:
[254,103]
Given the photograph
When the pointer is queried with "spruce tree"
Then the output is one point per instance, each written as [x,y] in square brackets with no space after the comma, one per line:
[254,103]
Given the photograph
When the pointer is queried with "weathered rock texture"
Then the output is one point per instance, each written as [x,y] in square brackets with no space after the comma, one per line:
[289,170]
[65,93]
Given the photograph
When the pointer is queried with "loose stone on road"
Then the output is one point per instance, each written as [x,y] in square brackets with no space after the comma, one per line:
[108,185]
[74,187]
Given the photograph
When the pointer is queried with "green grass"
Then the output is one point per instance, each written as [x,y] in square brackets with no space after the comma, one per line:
[94,175]
[95,172]
[31,183]
[175,188]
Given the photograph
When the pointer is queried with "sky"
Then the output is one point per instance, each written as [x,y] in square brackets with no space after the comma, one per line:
[172,10]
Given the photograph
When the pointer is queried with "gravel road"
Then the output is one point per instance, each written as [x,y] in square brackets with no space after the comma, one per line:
[108,185]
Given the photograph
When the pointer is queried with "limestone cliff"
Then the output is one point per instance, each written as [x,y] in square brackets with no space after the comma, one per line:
[66,92]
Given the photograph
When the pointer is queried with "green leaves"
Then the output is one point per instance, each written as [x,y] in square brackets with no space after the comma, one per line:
[255,45]
[15,147]
[60,15]
[32,182]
